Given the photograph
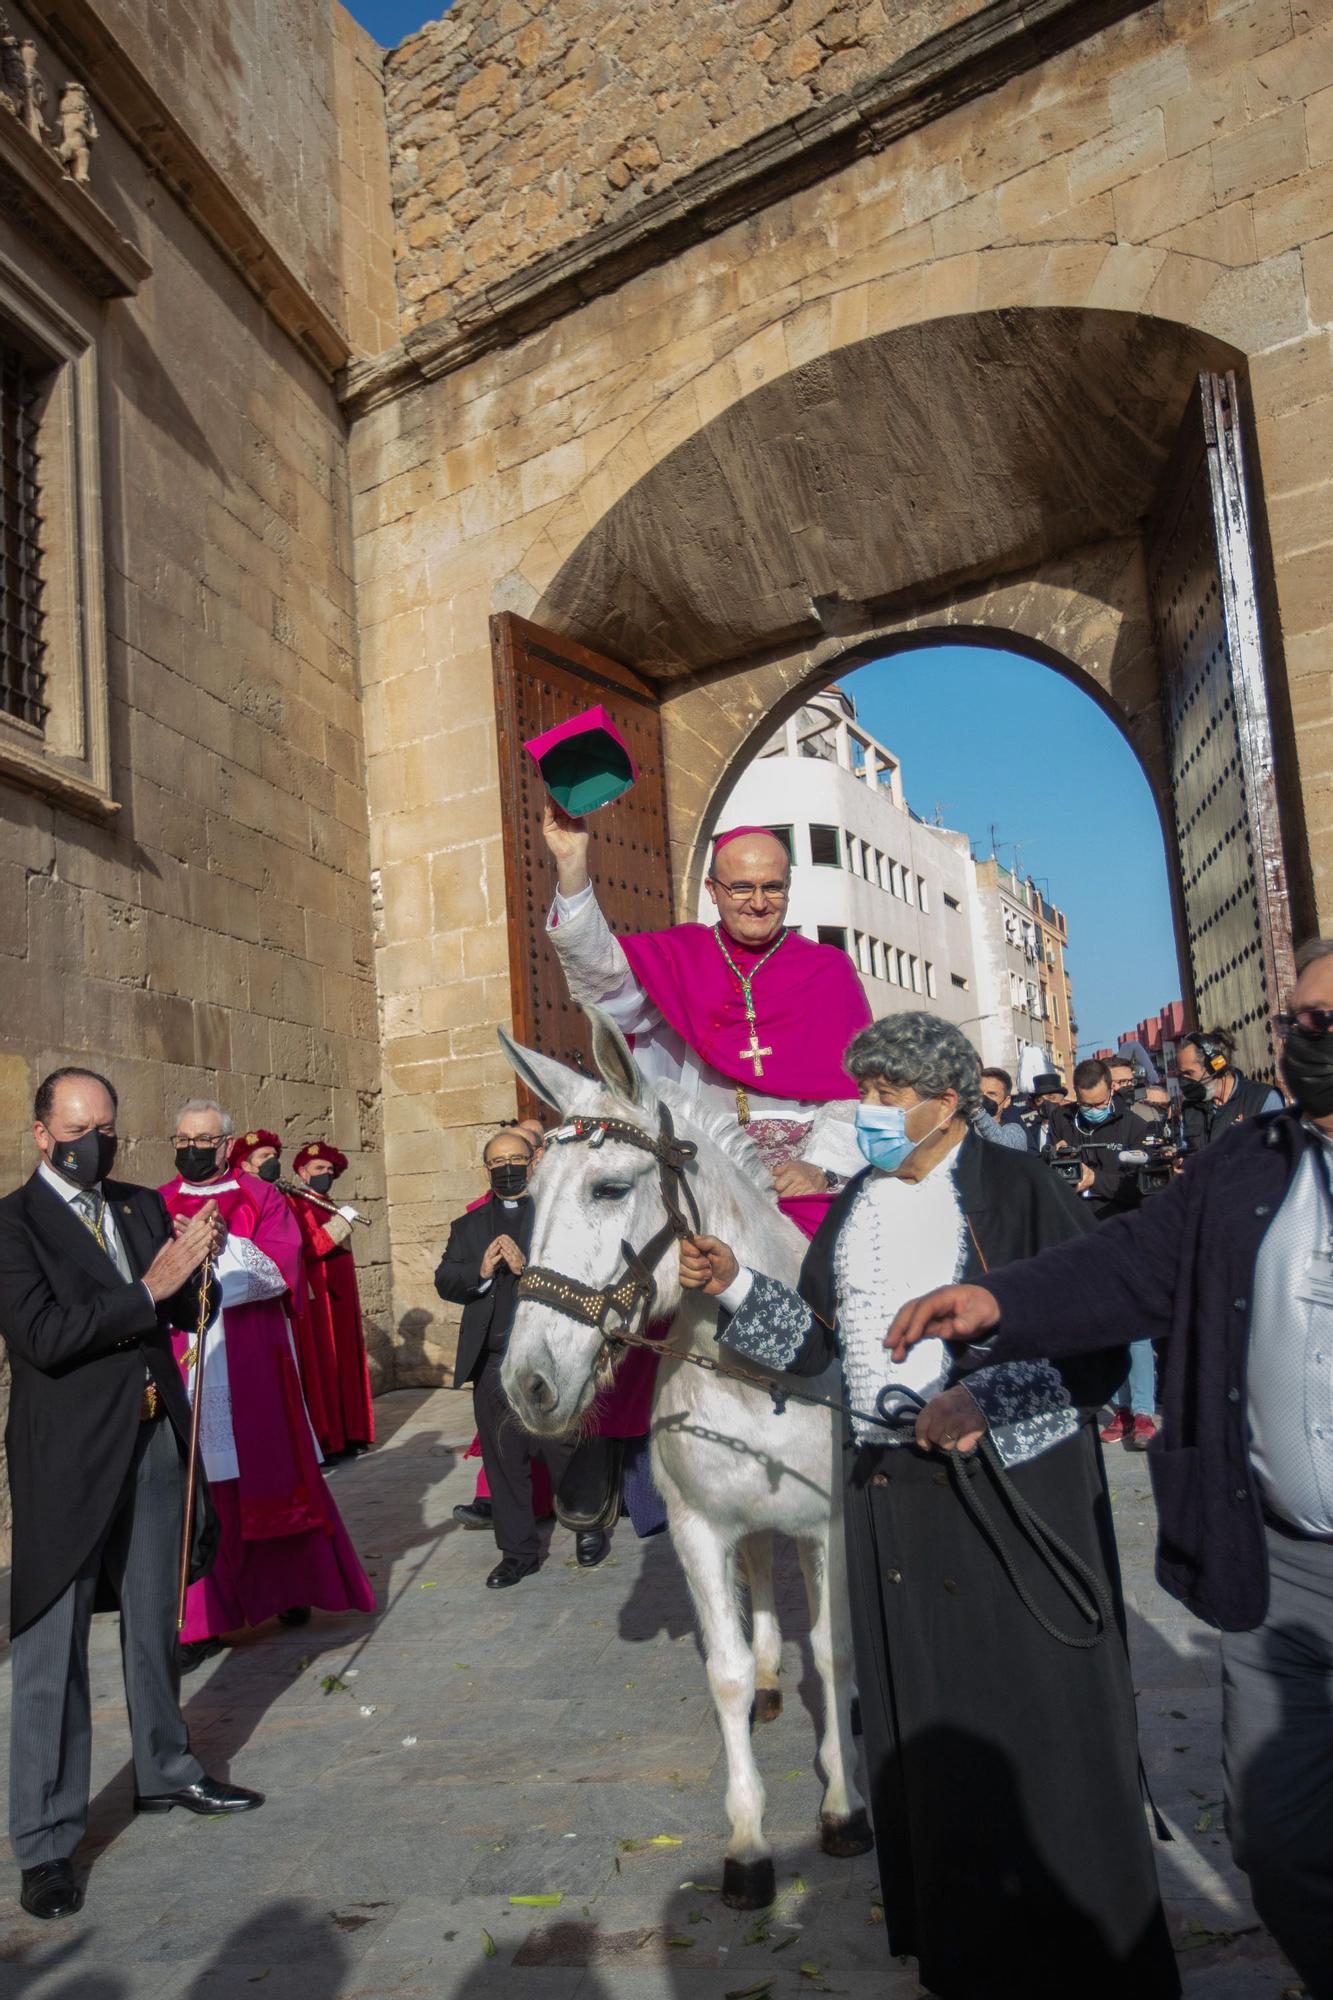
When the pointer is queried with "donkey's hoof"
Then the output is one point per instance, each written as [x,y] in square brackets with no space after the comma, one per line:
[846,1837]
[766,1706]
[749,1885]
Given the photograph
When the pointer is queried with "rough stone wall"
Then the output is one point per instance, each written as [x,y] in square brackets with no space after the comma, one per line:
[1179,168]
[214,938]
[285,99]
[517,126]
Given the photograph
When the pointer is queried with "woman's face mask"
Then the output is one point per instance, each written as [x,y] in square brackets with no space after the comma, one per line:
[882,1135]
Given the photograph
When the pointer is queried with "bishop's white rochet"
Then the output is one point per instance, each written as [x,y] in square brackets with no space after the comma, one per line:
[730,1469]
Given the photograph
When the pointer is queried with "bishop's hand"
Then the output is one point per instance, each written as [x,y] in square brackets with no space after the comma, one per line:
[799,1177]
[706,1265]
[567,840]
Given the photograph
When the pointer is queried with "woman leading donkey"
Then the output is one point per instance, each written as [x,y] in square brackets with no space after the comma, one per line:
[987,1622]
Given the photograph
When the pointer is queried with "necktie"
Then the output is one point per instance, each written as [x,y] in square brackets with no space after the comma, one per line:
[92,1212]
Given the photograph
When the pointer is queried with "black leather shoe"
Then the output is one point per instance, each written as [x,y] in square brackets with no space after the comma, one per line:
[509,1570]
[477,1514]
[591,1547]
[194,1652]
[49,1890]
[208,1795]
[298,1615]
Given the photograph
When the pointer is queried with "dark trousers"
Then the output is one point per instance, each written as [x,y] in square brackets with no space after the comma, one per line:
[578,1466]
[1277,1749]
[50,1753]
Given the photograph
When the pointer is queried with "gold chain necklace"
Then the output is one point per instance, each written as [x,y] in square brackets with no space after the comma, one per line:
[754,1054]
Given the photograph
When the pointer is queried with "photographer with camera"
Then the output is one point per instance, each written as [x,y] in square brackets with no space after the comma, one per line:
[1106,1138]
[1092,1134]
[1216,1094]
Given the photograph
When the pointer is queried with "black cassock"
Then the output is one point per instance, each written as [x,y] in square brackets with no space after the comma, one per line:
[1013,1843]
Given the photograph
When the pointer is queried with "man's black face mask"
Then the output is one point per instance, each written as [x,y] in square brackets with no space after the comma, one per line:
[321,1183]
[84,1161]
[508,1178]
[196,1163]
[1307,1064]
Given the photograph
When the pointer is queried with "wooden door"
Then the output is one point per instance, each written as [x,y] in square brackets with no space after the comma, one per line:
[542,679]
[1232,886]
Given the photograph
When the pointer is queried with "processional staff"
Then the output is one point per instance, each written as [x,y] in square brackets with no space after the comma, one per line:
[195,1355]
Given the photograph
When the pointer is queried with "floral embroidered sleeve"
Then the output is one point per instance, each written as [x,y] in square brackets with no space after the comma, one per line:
[1026,1406]
[774,1326]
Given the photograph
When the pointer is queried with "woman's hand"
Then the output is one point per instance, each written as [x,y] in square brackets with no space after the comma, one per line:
[706,1265]
[950,1421]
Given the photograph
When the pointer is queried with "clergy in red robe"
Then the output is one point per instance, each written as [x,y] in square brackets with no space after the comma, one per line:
[283,1545]
[749,1017]
[260,1153]
[333,1302]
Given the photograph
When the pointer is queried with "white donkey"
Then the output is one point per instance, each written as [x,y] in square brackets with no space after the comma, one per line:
[730,1467]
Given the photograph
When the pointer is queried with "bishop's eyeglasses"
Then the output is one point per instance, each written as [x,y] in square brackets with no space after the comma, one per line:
[741,892]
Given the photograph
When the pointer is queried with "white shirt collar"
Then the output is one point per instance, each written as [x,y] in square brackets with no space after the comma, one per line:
[65,1189]
[210,1187]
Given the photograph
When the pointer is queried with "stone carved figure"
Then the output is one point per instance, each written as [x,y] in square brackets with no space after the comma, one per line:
[35,93]
[12,74]
[78,130]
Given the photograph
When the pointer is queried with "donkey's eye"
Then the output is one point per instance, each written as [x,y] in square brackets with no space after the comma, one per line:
[610,1191]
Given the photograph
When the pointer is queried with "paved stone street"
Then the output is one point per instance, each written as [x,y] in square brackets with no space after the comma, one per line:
[555,1740]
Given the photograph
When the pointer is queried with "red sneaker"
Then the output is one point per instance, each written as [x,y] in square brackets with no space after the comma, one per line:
[1141,1435]
[1116,1429]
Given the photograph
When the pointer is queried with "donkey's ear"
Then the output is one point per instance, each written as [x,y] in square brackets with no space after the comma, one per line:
[615,1060]
[544,1076]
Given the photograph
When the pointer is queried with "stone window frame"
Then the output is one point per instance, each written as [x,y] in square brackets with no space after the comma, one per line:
[71,756]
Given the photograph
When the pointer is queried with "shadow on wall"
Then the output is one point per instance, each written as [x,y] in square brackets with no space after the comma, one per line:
[424,1351]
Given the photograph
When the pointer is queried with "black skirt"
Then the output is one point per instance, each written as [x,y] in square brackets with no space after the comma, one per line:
[1013,1844]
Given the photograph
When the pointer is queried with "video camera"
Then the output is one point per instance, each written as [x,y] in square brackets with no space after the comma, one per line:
[1156,1159]
[1068,1164]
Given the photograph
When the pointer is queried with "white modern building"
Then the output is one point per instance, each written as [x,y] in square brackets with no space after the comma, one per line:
[870,875]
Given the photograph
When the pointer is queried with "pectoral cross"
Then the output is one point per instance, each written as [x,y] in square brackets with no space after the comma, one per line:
[754,1053]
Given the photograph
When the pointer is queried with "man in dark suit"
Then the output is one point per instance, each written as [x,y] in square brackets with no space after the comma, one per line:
[479,1271]
[92,1280]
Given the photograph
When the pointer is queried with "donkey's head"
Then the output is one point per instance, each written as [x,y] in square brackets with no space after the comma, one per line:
[594,1195]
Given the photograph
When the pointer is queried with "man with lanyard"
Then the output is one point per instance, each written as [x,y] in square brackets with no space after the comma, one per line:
[1232,1267]
[749,1016]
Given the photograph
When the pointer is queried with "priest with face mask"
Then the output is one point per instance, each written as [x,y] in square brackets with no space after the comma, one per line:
[331,1306]
[260,1153]
[283,1546]
[479,1271]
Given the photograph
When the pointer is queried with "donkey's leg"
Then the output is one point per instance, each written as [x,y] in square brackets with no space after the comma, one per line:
[756,1552]
[748,1880]
[844,1828]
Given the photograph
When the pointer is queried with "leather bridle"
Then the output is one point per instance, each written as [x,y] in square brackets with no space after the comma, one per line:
[625,1306]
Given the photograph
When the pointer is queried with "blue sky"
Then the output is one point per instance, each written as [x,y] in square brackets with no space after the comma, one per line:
[391,21]
[992,737]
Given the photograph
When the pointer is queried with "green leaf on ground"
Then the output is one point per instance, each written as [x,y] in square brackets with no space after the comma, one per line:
[332,1684]
[759,1991]
[549,1902]
[665,1840]
[488,1944]
[682,1943]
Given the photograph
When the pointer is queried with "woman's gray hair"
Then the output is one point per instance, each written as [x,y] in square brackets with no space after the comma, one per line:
[920,1050]
[205,1104]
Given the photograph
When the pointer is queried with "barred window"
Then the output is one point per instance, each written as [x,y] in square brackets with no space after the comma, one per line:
[22,651]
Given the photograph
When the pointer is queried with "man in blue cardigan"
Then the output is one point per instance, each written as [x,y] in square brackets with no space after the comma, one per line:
[1233,1268]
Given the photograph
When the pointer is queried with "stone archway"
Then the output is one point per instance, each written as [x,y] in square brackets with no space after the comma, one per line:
[986,475]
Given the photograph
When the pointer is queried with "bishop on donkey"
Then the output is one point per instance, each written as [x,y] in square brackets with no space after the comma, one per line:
[747,1014]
